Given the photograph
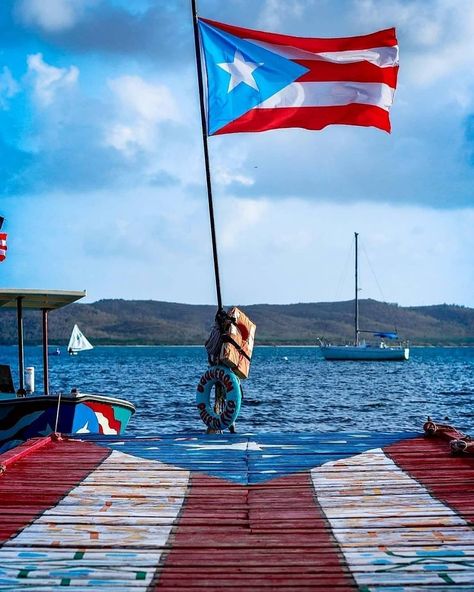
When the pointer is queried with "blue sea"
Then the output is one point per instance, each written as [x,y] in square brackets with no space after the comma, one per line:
[289,388]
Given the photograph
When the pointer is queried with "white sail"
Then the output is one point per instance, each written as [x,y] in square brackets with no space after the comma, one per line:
[78,342]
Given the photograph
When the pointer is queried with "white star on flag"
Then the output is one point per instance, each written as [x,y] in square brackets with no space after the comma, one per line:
[240,71]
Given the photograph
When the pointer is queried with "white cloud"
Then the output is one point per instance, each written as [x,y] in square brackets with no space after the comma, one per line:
[50,15]
[225,177]
[437,36]
[296,251]
[151,102]
[140,107]
[8,87]
[274,13]
[285,251]
[229,164]
[288,239]
[48,80]
[245,214]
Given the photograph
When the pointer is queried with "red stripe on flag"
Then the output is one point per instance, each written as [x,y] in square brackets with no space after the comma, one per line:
[253,538]
[449,478]
[30,485]
[320,71]
[383,38]
[311,118]
[3,236]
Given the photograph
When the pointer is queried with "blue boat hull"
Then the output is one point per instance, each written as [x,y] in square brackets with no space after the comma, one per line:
[33,416]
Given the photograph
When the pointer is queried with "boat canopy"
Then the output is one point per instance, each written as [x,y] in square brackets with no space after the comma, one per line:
[45,301]
[386,335]
[38,299]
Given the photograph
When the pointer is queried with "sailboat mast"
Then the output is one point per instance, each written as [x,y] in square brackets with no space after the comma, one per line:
[356,299]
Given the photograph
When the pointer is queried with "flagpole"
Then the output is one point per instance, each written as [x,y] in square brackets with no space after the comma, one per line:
[206,152]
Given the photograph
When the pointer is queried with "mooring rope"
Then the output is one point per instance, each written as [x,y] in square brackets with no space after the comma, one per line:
[57,413]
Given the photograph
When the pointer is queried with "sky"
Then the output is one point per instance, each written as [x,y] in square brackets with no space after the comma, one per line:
[102,177]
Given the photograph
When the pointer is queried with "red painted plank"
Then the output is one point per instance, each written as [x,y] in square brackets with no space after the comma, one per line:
[448,481]
[19,452]
[61,475]
[236,546]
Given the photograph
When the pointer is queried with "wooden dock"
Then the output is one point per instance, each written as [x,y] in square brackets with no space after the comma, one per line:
[371,512]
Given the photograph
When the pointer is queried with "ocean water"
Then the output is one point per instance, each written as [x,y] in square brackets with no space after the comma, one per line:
[289,388]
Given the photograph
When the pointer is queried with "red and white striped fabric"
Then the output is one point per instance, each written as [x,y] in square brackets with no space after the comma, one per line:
[350,80]
[3,246]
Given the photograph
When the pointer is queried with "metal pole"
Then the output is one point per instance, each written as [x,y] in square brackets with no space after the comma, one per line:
[21,357]
[45,353]
[206,151]
[356,304]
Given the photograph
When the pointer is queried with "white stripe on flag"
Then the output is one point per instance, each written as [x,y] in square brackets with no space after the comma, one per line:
[329,94]
[385,535]
[71,536]
[379,56]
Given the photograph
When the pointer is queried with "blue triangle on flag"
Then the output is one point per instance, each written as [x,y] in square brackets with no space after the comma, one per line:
[240,75]
[254,458]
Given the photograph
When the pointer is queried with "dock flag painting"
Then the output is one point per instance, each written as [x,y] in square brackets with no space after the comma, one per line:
[349,512]
[258,81]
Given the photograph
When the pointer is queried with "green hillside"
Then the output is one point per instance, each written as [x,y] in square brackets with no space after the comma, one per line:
[150,322]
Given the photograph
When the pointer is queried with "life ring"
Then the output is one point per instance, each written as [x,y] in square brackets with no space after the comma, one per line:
[224,376]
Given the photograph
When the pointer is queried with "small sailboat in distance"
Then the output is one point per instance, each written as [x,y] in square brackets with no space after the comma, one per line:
[78,342]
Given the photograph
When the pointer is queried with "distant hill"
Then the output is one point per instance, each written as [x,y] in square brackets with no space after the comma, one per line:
[151,322]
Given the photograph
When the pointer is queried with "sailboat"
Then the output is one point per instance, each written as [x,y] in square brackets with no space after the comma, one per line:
[360,350]
[78,342]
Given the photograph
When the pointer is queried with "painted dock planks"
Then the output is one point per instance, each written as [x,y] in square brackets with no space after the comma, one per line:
[369,512]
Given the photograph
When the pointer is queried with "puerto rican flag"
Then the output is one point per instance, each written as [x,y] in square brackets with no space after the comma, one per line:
[349,512]
[258,81]
[3,246]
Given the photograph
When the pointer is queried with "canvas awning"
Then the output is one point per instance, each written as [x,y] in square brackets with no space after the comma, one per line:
[38,299]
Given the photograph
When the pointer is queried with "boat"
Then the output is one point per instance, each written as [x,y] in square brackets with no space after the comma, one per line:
[25,414]
[78,342]
[55,352]
[360,350]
